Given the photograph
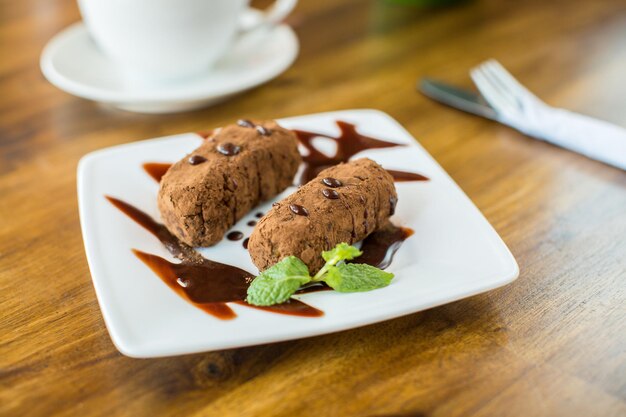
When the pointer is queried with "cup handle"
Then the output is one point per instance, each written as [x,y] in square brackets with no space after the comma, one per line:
[272,16]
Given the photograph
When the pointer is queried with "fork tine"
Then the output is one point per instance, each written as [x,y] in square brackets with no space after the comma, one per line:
[505,77]
[505,90]
[486,89]
[492,93]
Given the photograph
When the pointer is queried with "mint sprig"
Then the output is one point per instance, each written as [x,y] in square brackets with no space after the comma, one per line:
[278,283]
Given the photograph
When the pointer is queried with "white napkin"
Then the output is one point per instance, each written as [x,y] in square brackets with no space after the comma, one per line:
[591,137]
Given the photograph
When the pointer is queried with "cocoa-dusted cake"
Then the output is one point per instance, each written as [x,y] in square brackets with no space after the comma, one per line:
[344,203]
[204,194]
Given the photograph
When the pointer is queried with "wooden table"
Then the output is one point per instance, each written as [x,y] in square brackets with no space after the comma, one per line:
[553,343]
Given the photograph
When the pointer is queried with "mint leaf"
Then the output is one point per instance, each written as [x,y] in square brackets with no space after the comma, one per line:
[276,284]
[341,252]
[356,278]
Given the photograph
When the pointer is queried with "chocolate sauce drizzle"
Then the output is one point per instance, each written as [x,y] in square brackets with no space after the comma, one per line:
[403,176]
[206,284]
[380,247]
[156,169]
[349,143]
[205,134]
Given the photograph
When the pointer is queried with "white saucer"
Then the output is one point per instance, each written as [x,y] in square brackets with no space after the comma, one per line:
[72,62]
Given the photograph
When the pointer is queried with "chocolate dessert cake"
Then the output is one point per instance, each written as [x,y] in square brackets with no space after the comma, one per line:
[205,193]
[344,203]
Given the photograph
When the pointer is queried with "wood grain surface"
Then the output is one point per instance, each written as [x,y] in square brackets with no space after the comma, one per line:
[553,343]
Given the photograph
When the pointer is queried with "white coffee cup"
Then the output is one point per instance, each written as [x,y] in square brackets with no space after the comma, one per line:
[171,39]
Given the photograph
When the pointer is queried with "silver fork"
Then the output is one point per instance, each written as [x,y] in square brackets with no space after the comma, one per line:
[517,107]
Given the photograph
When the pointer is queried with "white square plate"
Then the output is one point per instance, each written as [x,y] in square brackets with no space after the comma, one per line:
[454,253]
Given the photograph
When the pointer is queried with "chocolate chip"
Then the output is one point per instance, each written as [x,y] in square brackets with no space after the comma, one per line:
[196,159]
[228,149]
[330,194]
[332,182]
[392,205]
[245,123]
[213,369]
[298,209]
[234,235]
[263,130]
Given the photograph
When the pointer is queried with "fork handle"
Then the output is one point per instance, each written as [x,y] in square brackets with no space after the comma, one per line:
[594,138]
